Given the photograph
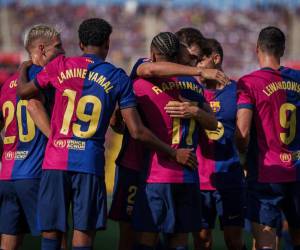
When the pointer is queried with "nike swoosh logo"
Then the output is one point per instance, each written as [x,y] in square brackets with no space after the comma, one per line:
[233,217]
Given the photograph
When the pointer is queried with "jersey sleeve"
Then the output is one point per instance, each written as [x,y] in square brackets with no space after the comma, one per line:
[244,94]
[48,75]
[139,62]
[127,97]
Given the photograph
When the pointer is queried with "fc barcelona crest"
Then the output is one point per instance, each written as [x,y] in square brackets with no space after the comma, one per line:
[215,106]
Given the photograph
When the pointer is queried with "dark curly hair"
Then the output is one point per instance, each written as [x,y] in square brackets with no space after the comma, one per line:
[167,44]
[94,31]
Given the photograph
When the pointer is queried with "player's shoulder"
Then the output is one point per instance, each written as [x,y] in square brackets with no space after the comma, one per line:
[188,78]
[11,81]
[61,58]
[229,88]
[252,75]
[56,63]
[140,61]
[288,69]
[139,81]
[105,68]
[116,73]
[33,71]
[232,85]
[8,88]
[290,73]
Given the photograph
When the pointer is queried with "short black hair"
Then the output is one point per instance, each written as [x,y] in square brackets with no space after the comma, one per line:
[271,40]
[94,31]
[167,44]
[189,35]
[212,46]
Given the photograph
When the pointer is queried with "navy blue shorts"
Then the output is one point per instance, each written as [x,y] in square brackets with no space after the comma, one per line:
[125,189]
[86,193]
[266,203]
[228,205]
[167,208]
[18,206]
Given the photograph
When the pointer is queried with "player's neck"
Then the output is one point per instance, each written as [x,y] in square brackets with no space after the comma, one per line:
[91,50]
[267,61]
[213,84]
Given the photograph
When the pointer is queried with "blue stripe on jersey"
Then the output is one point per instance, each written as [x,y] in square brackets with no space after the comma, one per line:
[31,166]
[187,123]
[293,97]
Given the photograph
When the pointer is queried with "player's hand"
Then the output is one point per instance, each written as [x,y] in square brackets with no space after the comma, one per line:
[117,122]
[25,65]
[183,109]
[214,74]
[186,157]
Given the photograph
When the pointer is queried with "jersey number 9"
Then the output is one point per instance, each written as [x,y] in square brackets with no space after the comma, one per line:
[287,118]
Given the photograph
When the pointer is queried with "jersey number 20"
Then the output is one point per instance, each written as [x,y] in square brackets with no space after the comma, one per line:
[22,125]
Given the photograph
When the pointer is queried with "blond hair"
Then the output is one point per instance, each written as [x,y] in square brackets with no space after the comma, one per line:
[39,31]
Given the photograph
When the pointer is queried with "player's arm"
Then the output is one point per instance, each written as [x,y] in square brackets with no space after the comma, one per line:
[242,134]
[244,116]
[168,69]
[117,122]
[139,132]
[189,110]
[243,126]
[25,88]
[39,115]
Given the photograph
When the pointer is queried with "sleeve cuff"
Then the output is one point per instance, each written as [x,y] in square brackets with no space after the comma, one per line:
[245,106]
[128,105]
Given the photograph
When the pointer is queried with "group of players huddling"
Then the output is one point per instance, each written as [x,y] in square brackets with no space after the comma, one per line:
[191,136]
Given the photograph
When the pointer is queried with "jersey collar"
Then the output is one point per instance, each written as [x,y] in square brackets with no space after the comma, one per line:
[267,68]
[93,56]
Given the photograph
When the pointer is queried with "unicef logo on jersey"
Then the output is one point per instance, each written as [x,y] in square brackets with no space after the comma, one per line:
[285,157]
[60,143]
[9,155]
[215,134]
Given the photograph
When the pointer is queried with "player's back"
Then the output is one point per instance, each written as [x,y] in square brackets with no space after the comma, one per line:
[24,144]
[87,90]
[152,97]
[274,96]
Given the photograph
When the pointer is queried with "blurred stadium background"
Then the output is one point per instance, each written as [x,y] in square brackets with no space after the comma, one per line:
[234,23]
